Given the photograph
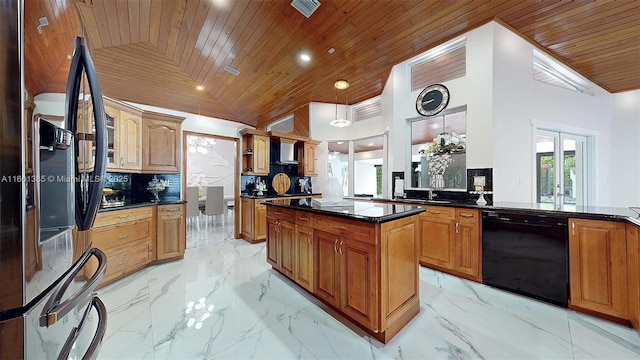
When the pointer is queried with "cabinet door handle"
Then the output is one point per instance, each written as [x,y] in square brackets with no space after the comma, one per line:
[573,228]
[340,247]
[335,242]
[123,236]
[309,240]
[457,226]
[339,227]
[121,161]
[467,215]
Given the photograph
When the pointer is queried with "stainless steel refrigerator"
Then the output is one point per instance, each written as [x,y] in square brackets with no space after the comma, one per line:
[51,178]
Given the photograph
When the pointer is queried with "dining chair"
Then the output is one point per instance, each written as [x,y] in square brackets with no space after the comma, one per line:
[193,210]
[214,204]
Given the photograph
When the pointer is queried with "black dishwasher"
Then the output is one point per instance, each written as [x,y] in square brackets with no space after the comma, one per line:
[526,254]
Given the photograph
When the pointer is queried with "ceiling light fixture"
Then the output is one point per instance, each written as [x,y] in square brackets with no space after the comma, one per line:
[305,57]
[200,87]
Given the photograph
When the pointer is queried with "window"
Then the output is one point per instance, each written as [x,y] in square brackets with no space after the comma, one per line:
[423,133]
[359,165]
[440,64]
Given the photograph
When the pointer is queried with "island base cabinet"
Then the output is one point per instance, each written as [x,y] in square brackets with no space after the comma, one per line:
[372,280]
[303,257]
[598,268]
[633,262]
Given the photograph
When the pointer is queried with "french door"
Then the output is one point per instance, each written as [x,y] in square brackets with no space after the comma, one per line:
[561,168]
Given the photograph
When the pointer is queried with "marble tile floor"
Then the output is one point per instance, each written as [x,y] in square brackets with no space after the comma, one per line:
[224,302]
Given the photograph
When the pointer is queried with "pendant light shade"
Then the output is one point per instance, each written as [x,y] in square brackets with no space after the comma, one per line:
[341,85]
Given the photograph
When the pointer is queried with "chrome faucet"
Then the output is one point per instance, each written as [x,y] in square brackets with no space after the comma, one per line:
[431,194]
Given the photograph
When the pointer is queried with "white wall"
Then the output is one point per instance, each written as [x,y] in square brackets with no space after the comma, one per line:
[504,104]
[214,168]
[625,149]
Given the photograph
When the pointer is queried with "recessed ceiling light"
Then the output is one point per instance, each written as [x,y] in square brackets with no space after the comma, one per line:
[331,50]
[305,57]
[200,87]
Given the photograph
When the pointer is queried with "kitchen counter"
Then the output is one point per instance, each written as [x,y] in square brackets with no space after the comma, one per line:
[582,212]
[278,196]
[351,258]
[367,211]
[138,205]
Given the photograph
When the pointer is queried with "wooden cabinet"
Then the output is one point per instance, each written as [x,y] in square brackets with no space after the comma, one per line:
[450,241]
[633,263]
[280,242]
[130,140]
[127,237]
[303,250]
[160,143]
[171,232]
[255,152]
[598,267]
[307,158]
[254,220]
[368,272]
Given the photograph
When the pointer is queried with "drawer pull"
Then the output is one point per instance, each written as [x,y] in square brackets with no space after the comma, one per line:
[172,209]
[123,236]
[303,218]
[467,215]
[123,262]
[434,212]
[124,216]
[339,227]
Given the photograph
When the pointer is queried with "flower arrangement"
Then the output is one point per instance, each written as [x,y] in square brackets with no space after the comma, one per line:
[447,144]
[438,164]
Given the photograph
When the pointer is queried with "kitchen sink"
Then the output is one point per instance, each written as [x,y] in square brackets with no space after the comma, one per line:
[422,201]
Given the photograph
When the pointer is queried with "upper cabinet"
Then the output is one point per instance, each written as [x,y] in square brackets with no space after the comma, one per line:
[160,142]
[255,152]
[307,158]
[124,132]
[137,141]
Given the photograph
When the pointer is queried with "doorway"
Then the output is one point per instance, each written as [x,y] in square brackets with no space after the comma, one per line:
[561,168]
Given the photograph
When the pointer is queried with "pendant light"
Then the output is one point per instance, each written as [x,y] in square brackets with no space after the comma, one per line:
[341,85]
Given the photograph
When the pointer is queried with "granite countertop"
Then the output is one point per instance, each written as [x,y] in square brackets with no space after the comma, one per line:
[583,212]
[137,205]
[367,211]
[277,196]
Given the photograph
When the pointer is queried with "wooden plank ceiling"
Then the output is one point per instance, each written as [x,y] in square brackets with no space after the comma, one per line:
[155,52]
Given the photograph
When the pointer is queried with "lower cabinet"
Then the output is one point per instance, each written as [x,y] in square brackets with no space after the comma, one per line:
[280,240]
[450,241]
[303,251]
[254,215]
[368,272]
[633,262]
[598,267]
[127,237]
[171,232]
[347,276]
[134,238]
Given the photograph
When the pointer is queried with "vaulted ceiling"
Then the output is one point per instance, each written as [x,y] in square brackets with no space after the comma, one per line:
[156,52]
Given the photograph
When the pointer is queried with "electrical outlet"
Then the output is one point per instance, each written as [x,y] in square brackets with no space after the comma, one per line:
[521,181]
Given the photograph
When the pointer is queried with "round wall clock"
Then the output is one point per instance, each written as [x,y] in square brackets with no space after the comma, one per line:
[433,99]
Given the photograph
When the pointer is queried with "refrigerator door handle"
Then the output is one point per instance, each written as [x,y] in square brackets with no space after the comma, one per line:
[96,342]
[54,309]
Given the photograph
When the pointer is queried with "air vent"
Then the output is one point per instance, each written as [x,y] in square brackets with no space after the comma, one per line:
[306,7]
[231,70]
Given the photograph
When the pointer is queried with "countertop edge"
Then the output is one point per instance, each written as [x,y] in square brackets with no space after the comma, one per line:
[144,204]
[369,219]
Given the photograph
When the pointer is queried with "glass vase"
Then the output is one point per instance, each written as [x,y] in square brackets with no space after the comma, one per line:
[437,181]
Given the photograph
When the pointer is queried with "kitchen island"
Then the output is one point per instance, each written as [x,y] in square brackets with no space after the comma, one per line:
[361,259]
